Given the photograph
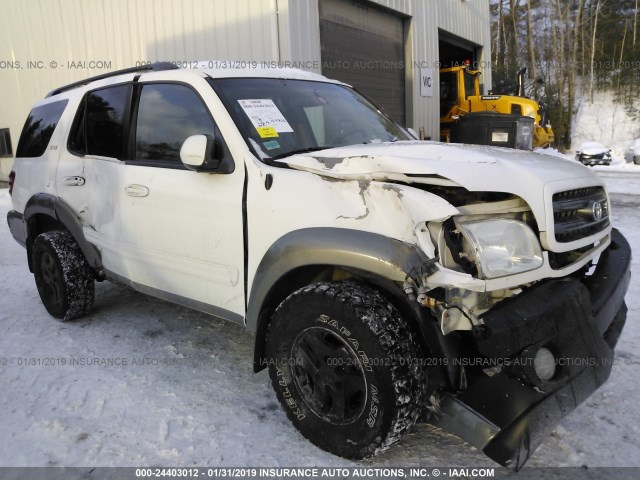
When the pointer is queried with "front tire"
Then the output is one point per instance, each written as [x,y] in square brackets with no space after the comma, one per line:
[65,281]
[346,368]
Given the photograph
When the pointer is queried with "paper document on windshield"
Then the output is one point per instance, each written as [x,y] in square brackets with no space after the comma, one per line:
[266,117]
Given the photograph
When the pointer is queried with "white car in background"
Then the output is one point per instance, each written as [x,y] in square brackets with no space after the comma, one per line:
[632,153]
[593,153]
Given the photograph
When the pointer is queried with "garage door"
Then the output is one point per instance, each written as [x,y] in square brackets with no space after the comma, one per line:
[363,45]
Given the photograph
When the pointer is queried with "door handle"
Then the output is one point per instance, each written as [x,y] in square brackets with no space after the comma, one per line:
[136,190]
[74,181]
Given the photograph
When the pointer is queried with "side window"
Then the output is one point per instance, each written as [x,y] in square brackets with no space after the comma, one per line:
[103,132]
[39,128]
[167,115]
[5,143]
[469,85]
[77,142]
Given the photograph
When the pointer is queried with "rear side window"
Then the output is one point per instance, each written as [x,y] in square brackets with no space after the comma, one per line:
[98,128]
[105,121]
[39,128]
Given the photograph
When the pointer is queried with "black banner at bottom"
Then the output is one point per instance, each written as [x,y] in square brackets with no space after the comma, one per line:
[334,473]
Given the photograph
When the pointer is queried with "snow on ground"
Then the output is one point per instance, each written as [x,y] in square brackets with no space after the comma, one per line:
[182,392]
[553,152]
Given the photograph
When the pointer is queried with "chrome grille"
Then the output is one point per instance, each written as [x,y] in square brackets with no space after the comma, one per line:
[580,213]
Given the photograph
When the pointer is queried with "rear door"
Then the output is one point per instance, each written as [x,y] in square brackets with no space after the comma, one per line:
[90,170]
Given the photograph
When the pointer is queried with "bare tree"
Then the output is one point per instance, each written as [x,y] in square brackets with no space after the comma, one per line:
[624,38]
[531,44]
[577,24]
[620,64]
[593,51]
[513,11]
[502,40]
[635,23]
[559,33]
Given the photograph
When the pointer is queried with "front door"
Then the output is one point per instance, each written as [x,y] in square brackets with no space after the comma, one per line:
[182,231]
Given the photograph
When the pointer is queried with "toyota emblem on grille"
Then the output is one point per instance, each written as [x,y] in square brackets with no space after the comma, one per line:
[596,211]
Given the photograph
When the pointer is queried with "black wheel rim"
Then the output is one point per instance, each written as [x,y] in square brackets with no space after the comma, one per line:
[329,376]
[50,274]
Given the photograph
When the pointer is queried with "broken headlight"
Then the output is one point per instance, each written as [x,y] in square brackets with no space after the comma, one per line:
[501,247]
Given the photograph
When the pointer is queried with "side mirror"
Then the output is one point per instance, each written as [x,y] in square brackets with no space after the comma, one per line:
[194,151]
[202,154]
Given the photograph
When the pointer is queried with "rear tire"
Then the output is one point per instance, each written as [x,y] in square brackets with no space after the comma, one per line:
[346,368]
[65,281]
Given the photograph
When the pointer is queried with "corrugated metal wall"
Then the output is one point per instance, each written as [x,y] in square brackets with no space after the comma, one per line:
[62,37]
[299,31]
[48,43]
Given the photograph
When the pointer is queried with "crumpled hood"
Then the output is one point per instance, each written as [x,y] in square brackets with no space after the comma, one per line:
[531,176]
[473,167]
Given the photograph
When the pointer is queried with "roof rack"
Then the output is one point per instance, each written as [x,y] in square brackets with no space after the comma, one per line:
[155,67]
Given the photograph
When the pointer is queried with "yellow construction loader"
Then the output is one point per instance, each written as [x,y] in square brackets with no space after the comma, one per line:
[460,95]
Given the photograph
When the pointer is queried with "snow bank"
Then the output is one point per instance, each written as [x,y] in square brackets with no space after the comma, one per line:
[604,121]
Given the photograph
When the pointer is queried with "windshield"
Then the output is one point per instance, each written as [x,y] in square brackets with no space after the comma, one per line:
[469,84]
[280,117]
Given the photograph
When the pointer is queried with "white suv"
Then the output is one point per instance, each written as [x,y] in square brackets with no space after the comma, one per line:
[386,279]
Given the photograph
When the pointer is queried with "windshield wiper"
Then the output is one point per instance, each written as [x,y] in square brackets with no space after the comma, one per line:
[297,152]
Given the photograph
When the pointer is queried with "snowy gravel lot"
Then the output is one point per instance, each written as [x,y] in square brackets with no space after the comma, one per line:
[184,392]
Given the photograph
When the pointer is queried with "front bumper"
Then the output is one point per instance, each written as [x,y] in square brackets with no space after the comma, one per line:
[592,161]
[508,414]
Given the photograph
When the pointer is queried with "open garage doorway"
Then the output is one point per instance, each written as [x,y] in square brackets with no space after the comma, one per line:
[454,51]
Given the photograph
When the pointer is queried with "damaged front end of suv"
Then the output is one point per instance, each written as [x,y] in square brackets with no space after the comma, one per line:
[540,347]
[521,291]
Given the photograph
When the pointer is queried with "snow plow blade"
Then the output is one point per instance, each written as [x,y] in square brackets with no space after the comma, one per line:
[509,414]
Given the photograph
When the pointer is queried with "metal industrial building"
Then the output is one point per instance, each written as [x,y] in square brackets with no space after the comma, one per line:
[389,49]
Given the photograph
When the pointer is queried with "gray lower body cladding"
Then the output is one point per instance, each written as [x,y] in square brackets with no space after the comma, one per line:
[48,206]
[580,322]
[18,227]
